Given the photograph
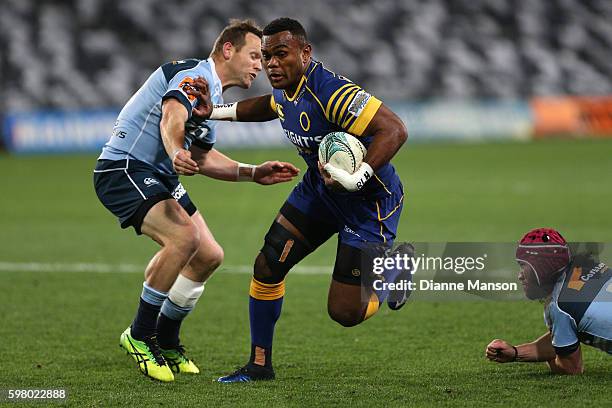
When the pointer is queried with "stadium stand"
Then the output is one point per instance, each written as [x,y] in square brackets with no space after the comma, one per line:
[94,53]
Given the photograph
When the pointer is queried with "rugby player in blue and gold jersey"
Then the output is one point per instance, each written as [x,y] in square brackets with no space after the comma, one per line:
[155,139]
[578,306]
[310,102]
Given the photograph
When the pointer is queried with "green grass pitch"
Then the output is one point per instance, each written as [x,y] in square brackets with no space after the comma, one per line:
[59,328]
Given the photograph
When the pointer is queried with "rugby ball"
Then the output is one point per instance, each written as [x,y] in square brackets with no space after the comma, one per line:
[342,150]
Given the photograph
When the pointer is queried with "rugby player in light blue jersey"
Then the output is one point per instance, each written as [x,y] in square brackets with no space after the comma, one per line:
[310,102]
[155,139]
[578,307]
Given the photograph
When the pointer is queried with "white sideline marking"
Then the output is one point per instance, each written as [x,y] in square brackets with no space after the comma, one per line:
[133,268]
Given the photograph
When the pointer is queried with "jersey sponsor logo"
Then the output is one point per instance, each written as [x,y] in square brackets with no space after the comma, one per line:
[179,192]
[597,269]
[359,102]
[309,142]
[149,181]
[578,279]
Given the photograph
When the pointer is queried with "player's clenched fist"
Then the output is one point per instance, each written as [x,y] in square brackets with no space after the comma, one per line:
[500,351]
[183,163]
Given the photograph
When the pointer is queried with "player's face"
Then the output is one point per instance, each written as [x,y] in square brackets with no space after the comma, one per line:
[246,63]
[285,58]
[529,281]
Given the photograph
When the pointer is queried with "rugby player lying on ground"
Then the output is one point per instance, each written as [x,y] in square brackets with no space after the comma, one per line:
[578,304]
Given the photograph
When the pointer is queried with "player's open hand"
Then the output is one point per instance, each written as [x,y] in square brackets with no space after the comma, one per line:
[500,351]
[183,163]
[199,88]
[272,172]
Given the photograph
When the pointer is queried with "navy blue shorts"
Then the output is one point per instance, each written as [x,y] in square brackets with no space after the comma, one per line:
[358,219]
[129,189]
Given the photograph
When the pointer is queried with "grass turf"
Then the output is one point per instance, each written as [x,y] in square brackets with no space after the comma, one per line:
[61,329]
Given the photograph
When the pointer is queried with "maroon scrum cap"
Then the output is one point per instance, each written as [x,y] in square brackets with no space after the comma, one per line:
[546,251]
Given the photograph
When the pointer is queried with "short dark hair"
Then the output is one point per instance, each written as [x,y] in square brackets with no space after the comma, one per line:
[235,33]
[286,24]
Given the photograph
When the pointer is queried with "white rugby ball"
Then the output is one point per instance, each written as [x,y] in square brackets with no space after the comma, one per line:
[342,150]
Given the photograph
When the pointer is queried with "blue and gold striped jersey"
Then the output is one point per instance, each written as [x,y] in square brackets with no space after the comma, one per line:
[325,102]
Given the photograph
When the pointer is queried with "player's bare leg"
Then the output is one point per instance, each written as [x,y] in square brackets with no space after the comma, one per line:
[347,306]
[209,255]
[184,295]
[168,224]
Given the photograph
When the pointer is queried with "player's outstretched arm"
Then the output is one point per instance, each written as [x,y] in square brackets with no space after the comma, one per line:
[172,129]
[213,163]
[257,109]
[539,350]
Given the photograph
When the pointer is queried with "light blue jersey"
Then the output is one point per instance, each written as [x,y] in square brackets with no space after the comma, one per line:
[580,309]
[136,134]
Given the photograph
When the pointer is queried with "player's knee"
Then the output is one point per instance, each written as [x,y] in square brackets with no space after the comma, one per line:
[280,252]
[347,317]
[215,257]
[261,270]
[186,240]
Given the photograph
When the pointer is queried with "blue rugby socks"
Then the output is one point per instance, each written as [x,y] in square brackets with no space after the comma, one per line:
[265,304]
[181,300]
[145,322]
[169,324]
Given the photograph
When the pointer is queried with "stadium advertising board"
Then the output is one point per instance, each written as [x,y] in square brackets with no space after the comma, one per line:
[58,131]
[589,116]
[466,120]
[79,131]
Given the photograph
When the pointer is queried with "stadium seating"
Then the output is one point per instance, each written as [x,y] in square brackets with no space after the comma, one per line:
[94,53]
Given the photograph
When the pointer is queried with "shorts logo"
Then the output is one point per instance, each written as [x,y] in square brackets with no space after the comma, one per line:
[150,181]
[179,192]
[350,231]
[359,102]
[356,273]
